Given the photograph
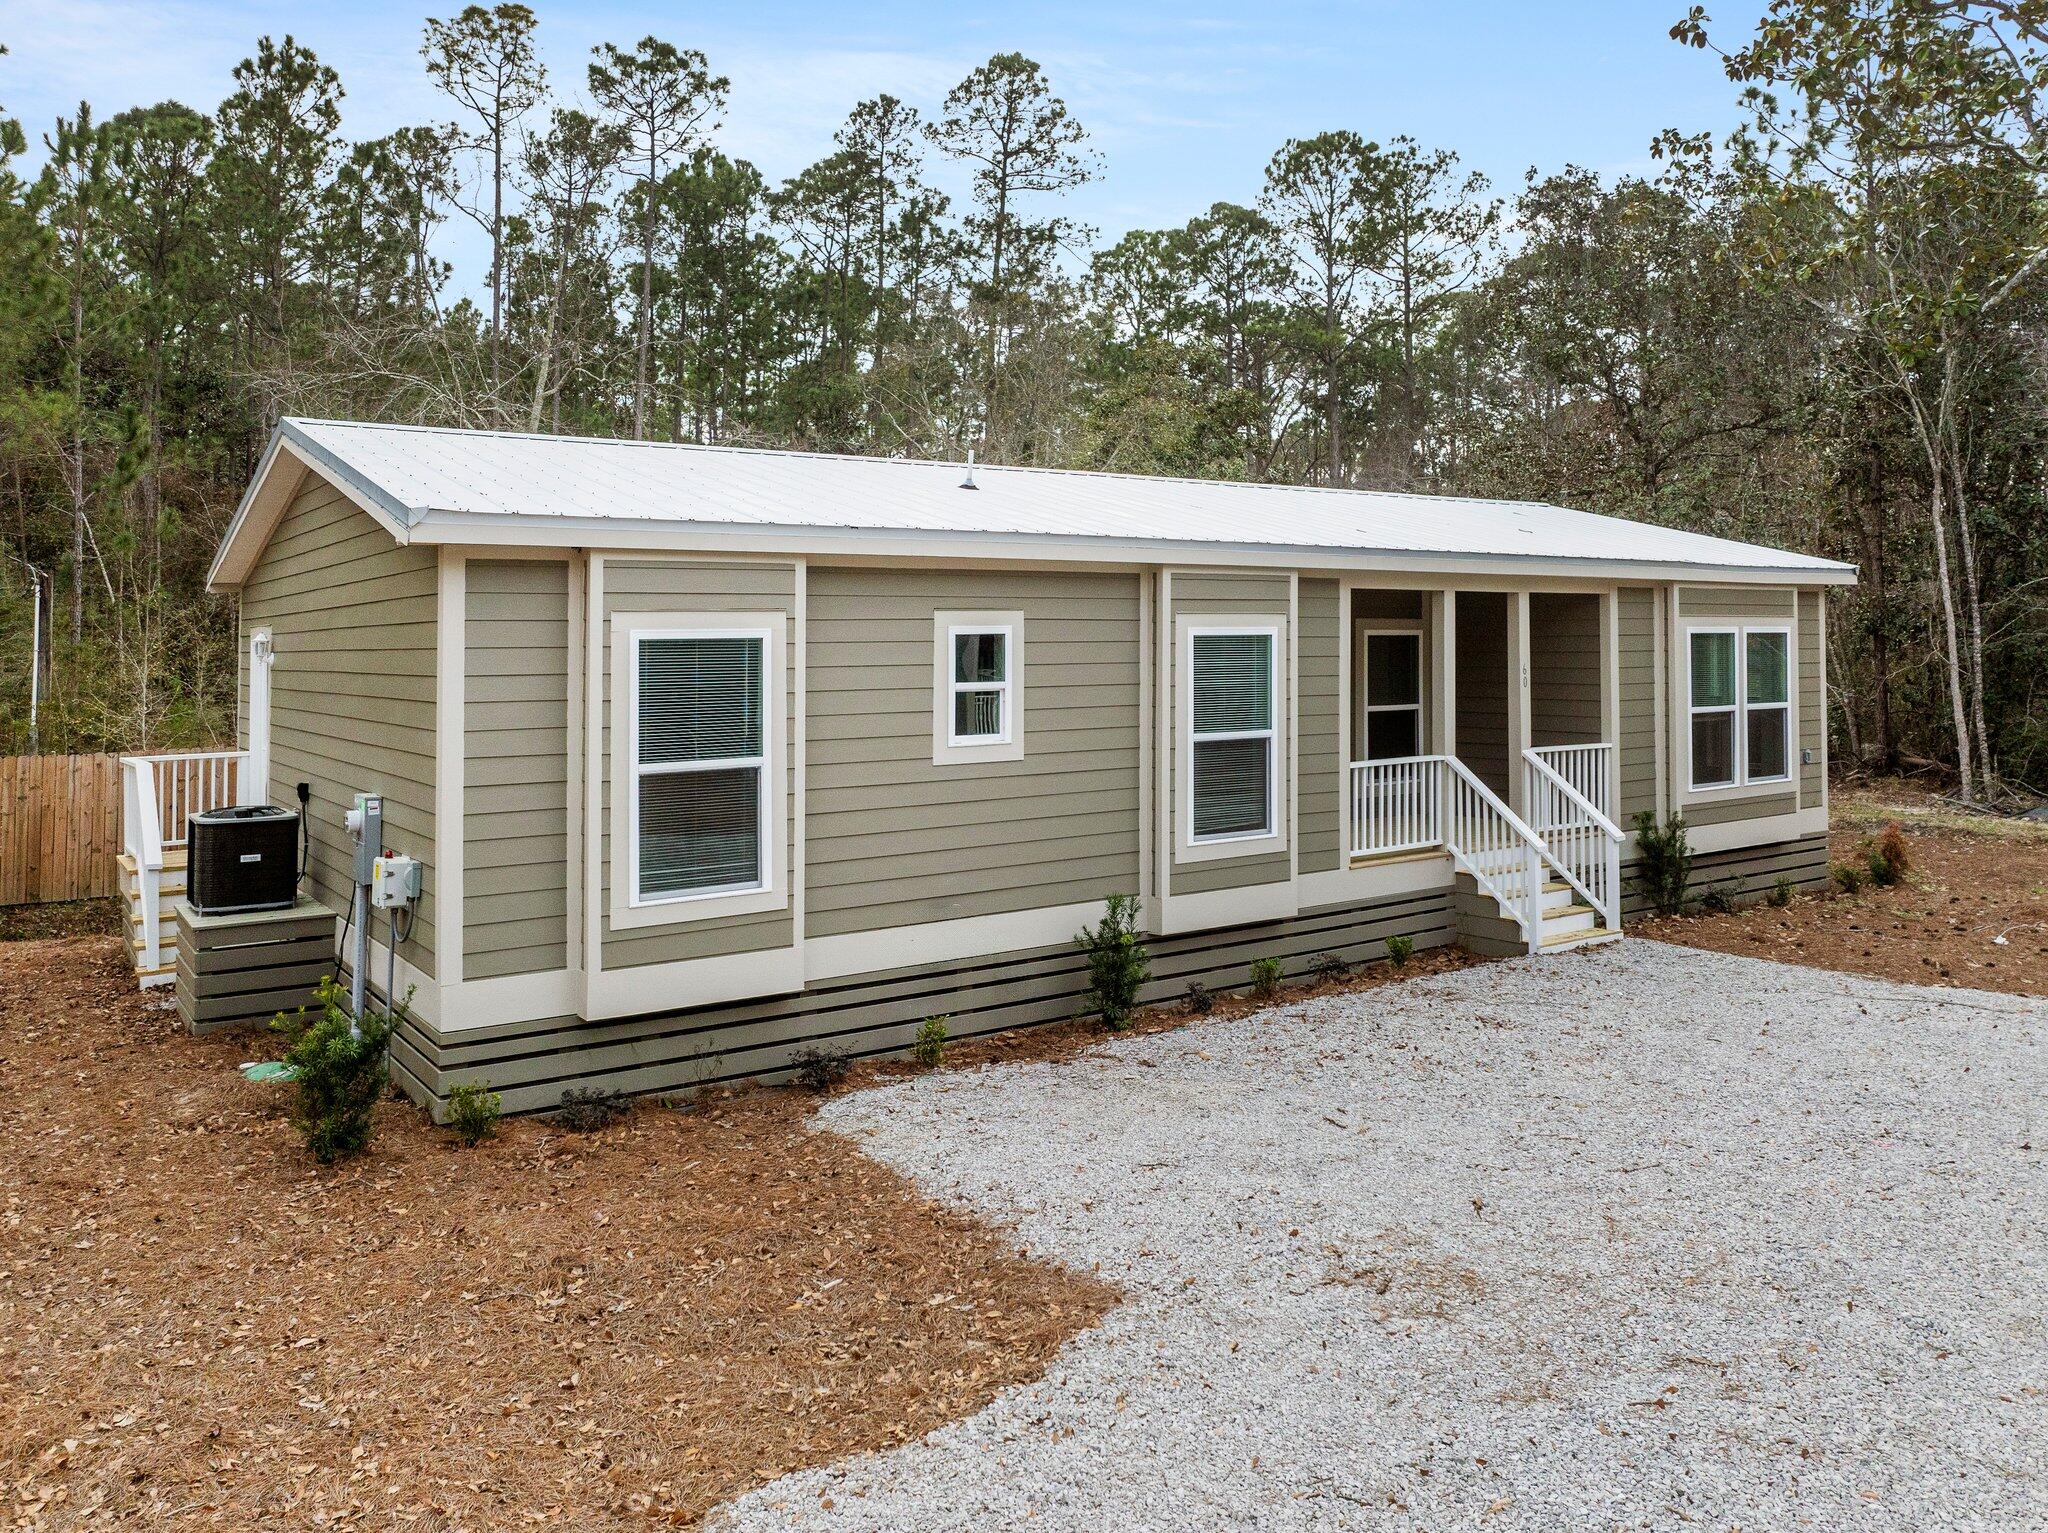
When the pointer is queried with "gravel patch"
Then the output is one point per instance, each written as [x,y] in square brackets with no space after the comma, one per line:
[1637,1238]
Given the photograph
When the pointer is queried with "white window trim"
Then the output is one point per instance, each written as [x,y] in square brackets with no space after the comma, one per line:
[949,749]
[1742,784]
[1259,843]
[1791,689]
[1393,629]
[629,909]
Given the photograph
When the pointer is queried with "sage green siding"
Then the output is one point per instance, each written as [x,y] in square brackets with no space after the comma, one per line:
[690,586]
[352,688]
[1565,665]
[1813,703]
[1724,811]
[1736,604]
[894,840]
[1322,742]
[1636,750]
[1482,658]
[1235,594]
[515,785]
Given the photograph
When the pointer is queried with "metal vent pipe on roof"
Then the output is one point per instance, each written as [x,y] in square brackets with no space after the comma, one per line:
[968,483]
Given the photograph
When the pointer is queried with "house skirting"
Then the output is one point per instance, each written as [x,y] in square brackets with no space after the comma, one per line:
[1742,874]
[530,1064]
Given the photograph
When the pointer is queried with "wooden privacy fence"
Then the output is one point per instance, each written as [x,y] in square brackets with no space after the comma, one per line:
[60,826]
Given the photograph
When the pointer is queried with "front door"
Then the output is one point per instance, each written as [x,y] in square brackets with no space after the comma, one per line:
[1392,707]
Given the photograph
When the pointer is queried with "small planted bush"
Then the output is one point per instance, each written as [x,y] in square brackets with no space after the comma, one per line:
[930,1047]
[338,1071]
[1117,964]
[1400,950]
[1330,969]
[473,1113]
[1266,977]
[1716,902]
[1886,857]
[587,1109]
[1781,894]
[819,1068]
[1663,861]
[1848,876]
[1197,1002]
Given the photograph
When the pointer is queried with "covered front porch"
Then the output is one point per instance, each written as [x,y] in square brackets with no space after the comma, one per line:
[1481,724]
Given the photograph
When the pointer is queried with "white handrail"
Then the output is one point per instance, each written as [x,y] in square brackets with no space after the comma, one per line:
[1497,848]
[1396,805]
[1582,842]
[1589,769]
[158,792]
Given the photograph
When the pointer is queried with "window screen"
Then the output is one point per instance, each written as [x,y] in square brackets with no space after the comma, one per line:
[1233,739]
[698,763]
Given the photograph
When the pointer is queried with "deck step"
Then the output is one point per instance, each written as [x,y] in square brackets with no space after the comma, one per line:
[1587,938]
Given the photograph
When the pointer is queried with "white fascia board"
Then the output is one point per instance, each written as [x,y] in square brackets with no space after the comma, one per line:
[616,535]
[286,460]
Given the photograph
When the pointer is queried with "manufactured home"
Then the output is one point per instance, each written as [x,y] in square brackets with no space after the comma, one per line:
[714,755]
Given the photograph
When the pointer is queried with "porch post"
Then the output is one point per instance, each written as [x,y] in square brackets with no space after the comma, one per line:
[1518,700]
[1610,693]
[1443,673]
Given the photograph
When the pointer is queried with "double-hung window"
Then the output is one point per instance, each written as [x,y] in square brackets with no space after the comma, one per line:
[700,780]
[980,687]
[1234,763]
[977,687]
[1740,708]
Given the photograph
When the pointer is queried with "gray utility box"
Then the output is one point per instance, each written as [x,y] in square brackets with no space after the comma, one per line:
[250,966]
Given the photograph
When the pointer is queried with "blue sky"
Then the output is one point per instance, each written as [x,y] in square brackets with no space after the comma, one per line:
[1186,102]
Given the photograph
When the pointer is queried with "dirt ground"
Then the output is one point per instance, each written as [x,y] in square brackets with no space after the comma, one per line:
[1973,879]
[198,1328]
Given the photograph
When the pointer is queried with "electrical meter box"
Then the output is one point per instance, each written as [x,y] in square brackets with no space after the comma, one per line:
[394,882]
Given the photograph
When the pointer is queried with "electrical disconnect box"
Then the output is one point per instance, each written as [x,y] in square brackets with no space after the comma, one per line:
[394,882]
[366,830]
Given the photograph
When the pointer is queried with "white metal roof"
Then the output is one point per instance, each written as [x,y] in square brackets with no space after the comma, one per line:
[433,484]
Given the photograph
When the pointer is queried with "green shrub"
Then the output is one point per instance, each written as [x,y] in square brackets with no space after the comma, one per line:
[586,1109]
[1329,969]
[1266,977]
[1663,861]
[1781,894]
[1198,1001]
[819,1068]
[1716,902]
[339,1073]
[1400,950]
[930,1047]
[1117,965]
[473,1113]
[1848,876]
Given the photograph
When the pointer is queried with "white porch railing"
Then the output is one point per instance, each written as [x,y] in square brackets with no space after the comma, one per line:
[157,793]
[1583,843]
[1418,802]
[1589,769]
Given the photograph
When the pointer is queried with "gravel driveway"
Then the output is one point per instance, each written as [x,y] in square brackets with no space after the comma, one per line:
[1639,1238]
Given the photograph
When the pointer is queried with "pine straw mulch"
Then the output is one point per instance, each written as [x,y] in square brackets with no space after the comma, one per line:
[1972,879]
[199,1328]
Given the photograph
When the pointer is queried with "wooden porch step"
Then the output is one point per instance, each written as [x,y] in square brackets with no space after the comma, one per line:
[174,857]
[1587,938]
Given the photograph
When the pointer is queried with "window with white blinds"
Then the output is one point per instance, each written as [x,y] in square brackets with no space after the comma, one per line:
[1233,744]
[700,769]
